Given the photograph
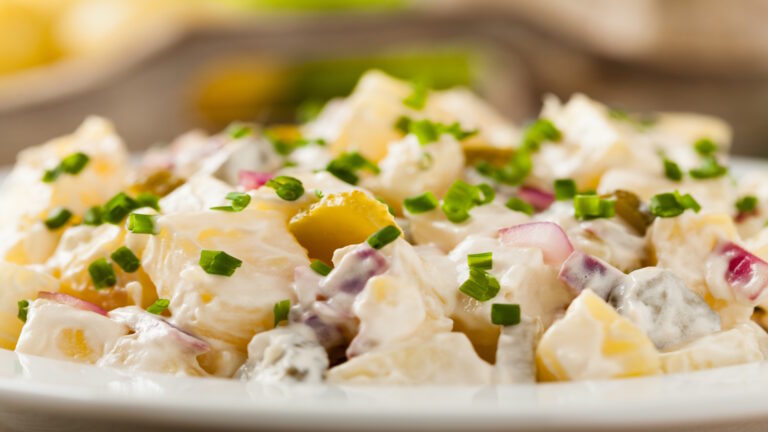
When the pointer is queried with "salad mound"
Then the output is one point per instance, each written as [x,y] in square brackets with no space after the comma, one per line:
[405,236]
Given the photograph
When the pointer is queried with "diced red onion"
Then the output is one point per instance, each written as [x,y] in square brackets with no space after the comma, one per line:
[69,300]
[581,271]
[253,179]
[539,199]
[547,236]
[745,273]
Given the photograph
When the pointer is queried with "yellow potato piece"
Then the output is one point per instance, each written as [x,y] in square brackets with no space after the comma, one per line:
[339,220]
[593,341]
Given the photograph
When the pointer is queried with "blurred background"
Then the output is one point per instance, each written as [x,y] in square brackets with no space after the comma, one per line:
[160,67]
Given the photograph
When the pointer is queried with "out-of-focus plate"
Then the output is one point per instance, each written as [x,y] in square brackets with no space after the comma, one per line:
[42,394]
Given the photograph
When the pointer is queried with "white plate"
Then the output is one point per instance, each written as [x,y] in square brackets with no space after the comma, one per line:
[43,394]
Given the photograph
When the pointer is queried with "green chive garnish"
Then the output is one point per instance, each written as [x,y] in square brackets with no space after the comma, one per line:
[346,166]
[565,189]
[421,203]
[746,204]
[23,309]
[159,306]
[481,260]
[668,204]
[586,207]
[481,285]
[92,216]
[117,208]
[505,314]
[383,237]
[428,131]
[239,202]
[287,188]
[57,218]
[126,259]
[519,205]
[705,147]
[538,132]
[462,197]
[219,263]
[281,311]
[148,199]
[709,169]
[102,274]
[672,170]
[320,267]
[141,224]
[238,131]
[72,164]
[517,168]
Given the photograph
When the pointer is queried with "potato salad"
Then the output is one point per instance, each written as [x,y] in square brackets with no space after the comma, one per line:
[405,236]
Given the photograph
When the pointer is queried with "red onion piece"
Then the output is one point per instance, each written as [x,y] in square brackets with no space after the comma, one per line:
[745,273]
[253,179]
[547,236]
[69,300]
[539,199]
[581,271]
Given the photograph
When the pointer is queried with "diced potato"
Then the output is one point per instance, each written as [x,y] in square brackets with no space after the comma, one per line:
[743,343]
[339,220]
[18,283]
[445,358]
[593,341]
[64,332]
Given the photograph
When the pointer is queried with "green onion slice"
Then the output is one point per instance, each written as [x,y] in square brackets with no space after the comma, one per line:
[383,237]
[482,260]
[57,218]
[505,314]
[538,132]
[159,306]
[287,188]
[239,201]
[92,216]
[320,267]
[705,147]
[126,259]
[421,203]
[519,205]
[23,309]
[102,274]
[141,224]
[710,168]
[117,208]
[481,285]
[281,311]
[219,263]
[565,189]
[746,204]
[672,170]
[346,166]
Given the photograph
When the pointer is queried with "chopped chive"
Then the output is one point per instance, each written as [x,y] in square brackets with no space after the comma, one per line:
[705,147]
[709,169]
[672,170]
[23,310]
[383,237]
[219,263]
[102,274]
[117,208]
[587,207]
[92,216]
[141,224]
[746,204]
[462,197]
[57,218]
[281,311]
[565,189]
[318,194]
[421,203]
[538,132]
[148,199]
[239,202]
[669,204]
[505,314]
[74,163]
[159,306]
[320,267]
[513,172]
[519,205]
[126,259]
[481,285]
[287,188]
[425,131]
[418,97]
[481,260]
[346,166]
[428,131]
